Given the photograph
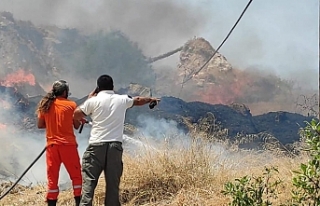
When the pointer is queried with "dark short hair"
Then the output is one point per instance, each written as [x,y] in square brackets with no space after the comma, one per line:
[105,82]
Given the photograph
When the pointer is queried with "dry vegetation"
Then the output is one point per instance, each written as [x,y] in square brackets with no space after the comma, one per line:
[180,173]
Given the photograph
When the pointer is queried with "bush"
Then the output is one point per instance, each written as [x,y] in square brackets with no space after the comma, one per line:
[262,190]
[307,180]
[112,53]
[255,191]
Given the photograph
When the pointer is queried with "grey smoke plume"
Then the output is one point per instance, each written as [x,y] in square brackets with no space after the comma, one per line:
[158,129]
[159,136]
[19,147]
[17,152]
[278,36]
[156,24]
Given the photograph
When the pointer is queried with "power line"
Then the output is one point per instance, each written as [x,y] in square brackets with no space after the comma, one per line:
[225,39]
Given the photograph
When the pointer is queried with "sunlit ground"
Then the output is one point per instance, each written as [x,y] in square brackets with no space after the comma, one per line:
[179,172]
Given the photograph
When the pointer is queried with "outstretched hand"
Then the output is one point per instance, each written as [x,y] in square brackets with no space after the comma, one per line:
[153,102]
[157,100]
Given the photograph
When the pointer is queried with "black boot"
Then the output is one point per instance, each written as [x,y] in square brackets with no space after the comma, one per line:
[52,202]
[77,199]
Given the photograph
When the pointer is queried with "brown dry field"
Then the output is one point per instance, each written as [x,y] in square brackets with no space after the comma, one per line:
[177,175]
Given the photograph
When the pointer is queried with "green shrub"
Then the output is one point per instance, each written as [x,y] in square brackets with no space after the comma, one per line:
[307,180]
[255,191]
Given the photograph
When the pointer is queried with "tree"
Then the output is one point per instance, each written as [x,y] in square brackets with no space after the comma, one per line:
[114,54]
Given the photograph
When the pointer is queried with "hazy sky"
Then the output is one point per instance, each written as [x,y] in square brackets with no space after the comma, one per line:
[275,35]
[279,35]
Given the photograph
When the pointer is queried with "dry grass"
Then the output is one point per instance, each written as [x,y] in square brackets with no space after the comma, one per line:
[179,173]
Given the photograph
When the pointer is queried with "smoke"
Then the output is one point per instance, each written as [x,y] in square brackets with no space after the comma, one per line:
[156,24]
[154,135]
[19,148]
[269,37]
[161,136]
[276,36]
[17,152]
[158,129]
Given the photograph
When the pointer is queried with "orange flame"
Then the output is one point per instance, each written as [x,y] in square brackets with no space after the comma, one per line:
[3,126]
[18,77]
[227,91]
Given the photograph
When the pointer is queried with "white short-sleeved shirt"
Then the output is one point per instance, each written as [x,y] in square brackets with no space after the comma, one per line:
[107,111]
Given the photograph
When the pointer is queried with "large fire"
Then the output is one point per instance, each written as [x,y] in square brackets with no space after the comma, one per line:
[18,77]
[227,90]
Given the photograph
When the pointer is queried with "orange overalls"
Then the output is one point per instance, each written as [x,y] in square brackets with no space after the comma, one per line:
[61,146]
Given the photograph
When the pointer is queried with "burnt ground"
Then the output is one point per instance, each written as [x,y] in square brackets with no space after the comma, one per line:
[282,125]
[236,118]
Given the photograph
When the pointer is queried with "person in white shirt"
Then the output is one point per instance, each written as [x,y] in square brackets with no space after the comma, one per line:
[104,152]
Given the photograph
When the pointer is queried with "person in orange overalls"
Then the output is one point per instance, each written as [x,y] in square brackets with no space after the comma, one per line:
[55,114]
